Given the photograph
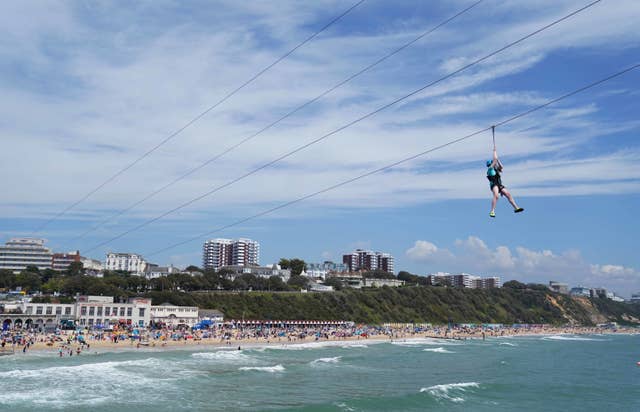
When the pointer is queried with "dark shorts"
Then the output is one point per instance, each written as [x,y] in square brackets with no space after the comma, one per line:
[500,187]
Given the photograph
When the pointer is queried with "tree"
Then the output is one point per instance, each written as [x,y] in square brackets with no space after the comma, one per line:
[514,284]
[7,278]
[335,282]
[240,284]
[28,280]
[297,266]
[276,283]
[193,268]
[75,269]
[379,274]
[285,263]
[32,269]
[298,282]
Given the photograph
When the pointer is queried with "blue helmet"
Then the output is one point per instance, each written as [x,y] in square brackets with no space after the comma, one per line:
[489,162]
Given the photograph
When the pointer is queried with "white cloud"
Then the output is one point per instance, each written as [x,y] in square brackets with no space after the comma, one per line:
[472,255]
[423,251]
[94,94]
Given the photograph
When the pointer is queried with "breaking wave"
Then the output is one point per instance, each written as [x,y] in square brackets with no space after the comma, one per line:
[270,369]
[437,350]
[450,392]
[326,360]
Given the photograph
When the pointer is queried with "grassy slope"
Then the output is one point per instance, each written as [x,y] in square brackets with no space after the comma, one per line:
[412,304]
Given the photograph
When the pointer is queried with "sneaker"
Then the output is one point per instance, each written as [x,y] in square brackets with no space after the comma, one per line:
[492,214]
[518,210]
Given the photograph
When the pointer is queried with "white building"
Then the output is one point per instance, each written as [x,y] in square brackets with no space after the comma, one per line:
[19,253]
[260,271]
[319,287]
[155,271]
[463,280]
[128,262]
[217,253]
[321,270]
[92,311]
[172,315]
[214,316]
[96,311]
[378,283]
[580,291]
[92,267]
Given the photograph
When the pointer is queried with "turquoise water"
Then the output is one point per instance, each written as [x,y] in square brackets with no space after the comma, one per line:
[529,373]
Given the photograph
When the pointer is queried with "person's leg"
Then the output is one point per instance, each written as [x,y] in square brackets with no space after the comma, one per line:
[494,200]
[506,193]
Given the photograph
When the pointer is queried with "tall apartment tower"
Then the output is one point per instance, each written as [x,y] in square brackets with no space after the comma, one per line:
[217,253]
[368,260]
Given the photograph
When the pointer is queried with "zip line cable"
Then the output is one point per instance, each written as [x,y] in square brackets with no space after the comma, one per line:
[347,125]
[392,165]
[195,119]
[264,129]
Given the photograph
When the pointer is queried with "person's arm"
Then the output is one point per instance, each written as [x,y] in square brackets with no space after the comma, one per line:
[496,162]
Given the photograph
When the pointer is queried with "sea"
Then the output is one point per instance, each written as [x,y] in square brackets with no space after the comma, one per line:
[532,373]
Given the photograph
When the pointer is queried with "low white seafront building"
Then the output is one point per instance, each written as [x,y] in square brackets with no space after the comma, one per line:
[39,316]
[171,315]
[214,316]
[98,311]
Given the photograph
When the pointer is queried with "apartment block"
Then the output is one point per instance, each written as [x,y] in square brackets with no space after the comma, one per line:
[217,253]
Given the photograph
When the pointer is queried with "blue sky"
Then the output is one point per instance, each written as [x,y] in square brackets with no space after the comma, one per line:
[86,88]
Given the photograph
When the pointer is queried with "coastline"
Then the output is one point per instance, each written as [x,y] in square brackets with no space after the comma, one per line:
[95,346]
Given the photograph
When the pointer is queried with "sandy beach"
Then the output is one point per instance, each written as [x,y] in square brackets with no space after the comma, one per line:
[71,342]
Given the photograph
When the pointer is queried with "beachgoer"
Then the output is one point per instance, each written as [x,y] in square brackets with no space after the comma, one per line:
[494,169]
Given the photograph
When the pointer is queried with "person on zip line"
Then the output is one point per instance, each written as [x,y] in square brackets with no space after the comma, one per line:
[494,170]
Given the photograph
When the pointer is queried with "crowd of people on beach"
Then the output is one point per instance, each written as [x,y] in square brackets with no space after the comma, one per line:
[70,342]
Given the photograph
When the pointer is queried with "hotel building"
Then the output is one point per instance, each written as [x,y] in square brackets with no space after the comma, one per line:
[129,262]
[19,253]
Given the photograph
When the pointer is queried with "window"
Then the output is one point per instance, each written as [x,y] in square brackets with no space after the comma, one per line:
[59,310]
[83,311]
[98,321]
[121,311]
[29,310]
[39,310]
[99,311]
[90,322]
[92,311]
[67,311]
[106,310]
[129,311]
[141,312]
